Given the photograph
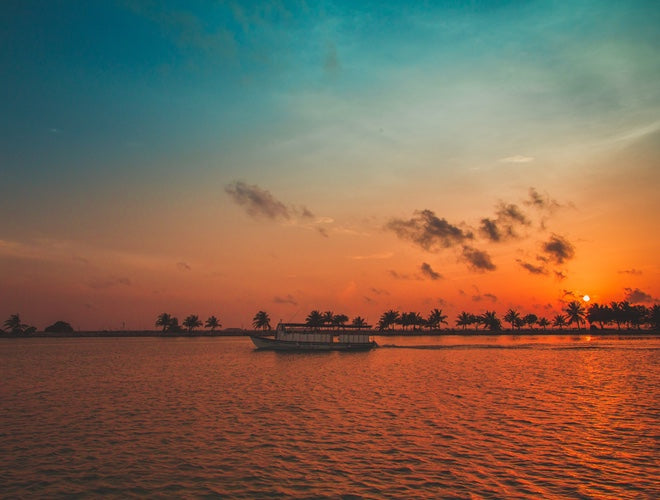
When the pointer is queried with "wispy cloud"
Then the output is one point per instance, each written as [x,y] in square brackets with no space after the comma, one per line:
[289,299]
[103,283]
[428,271]
[183,266]
[428,231]
[558,249]
[531,267]
[373,256]
[477,260]
[257,202]
[516,159]
[633,272]
[637,296]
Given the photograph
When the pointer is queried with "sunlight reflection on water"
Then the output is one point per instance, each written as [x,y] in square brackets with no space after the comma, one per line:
[526,416]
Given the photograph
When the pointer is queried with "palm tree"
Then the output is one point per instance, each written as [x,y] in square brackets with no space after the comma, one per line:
[599,314]
[617,314]
[574,312]
[464,319]
[511,316]
[314,319]
[192,322]
[530,320]
[435,319]
[543,322]
[491,321]
[212,323]
[327,317]
[388,319]
[15,327]
[261,321]
[339,320]
[359,322]
[164,320]
[654,317]
[559,321]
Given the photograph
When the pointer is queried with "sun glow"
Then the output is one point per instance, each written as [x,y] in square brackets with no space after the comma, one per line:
[586,298]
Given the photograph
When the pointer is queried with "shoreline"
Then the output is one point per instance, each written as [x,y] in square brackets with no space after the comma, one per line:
[395,333]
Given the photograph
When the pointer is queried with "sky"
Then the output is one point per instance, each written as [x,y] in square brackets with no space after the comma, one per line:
[221,158]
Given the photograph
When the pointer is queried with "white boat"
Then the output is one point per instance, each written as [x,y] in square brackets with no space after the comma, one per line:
[302,337]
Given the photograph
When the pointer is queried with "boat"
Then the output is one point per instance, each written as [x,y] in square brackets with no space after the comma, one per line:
[302,337]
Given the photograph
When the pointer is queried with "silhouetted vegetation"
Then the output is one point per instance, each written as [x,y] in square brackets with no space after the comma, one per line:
[261,321]
[14,326]
[59,327]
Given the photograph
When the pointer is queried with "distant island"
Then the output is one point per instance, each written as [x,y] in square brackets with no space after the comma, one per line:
[617,318]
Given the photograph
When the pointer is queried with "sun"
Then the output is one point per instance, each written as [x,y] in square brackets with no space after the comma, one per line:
[586,298]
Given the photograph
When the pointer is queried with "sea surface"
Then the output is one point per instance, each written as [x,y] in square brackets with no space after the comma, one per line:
[420,417]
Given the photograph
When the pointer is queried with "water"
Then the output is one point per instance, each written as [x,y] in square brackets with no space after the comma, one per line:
[529,417]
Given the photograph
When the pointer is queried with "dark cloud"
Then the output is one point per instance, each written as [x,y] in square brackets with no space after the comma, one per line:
[323,231]
[490,230]
[634,272]
[531,267]
[485,296]
[103,283]
[183,266]
[400,276]
[257,202]
[477,260]
[540,201]
[637,296]
[558,249]
[428,231]
[305,213]
[428,271]
[560,276]
[378,291]
[285,300]
[511,213]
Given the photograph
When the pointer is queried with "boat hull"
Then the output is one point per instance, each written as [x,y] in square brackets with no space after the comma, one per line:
[269,343]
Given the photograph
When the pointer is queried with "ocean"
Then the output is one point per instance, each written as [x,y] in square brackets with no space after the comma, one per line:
[420,417]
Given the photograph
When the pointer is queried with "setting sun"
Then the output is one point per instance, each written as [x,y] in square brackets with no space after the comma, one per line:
[586,298]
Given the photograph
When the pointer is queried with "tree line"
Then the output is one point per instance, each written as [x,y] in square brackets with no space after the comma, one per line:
[621,314]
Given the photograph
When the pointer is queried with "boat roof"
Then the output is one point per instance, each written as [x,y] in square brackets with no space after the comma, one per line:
[305,325]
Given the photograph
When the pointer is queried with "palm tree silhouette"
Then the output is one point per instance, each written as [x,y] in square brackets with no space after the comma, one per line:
[543,322]
[261,321]
[14,325]
[192,322]
[327,317]
[212,323]
[559,321]
[388,319]
[530,320]
[315,319]
[491,321]
[339,320]
[511,316]
[464,319]
[359,322]
[435,319]
[574,313]
[164,320]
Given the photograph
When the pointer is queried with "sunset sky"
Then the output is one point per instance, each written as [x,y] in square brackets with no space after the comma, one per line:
[226,157]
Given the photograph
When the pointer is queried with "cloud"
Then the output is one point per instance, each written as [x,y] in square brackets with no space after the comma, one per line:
[531,267]
[429,272]
[103,283]
[516,159]
[378,291]
[490,230]
[477,260]
[540,201]
[558,249]
[400,276]
[257,202]
[637,296]
[183,266]
[374,256]
[428,231]
[508,216]
[285,300]
[560,276]
[485,296]
[634,272]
